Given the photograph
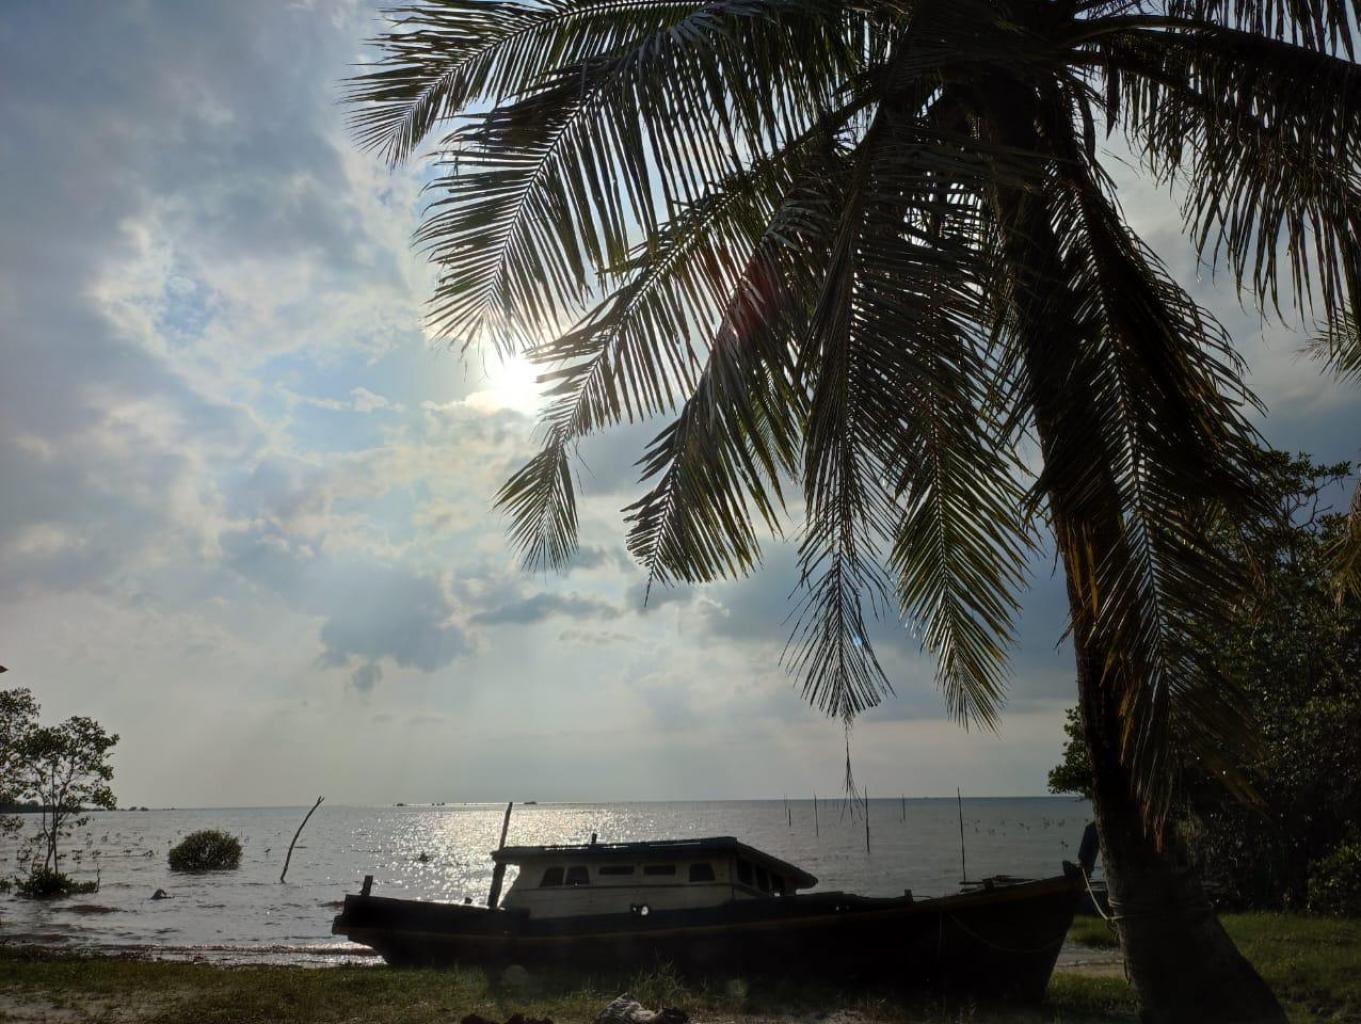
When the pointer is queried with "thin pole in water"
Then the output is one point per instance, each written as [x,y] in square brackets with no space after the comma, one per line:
[963,869]
[904,807]
[295,837]
[867,821]
[816,830]
[498,873]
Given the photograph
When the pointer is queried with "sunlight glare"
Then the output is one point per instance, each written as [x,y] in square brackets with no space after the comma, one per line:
[508,384]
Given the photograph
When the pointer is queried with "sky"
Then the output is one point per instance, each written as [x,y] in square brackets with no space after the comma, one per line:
[245,502]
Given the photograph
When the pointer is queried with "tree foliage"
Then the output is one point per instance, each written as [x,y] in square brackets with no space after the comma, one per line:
[206,850]
[62,769]
[18,717]
[1295,652]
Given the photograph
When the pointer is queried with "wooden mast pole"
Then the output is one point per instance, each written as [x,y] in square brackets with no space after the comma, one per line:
[963,869]
[498,873]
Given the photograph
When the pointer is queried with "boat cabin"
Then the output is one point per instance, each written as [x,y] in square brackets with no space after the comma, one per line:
[621,878]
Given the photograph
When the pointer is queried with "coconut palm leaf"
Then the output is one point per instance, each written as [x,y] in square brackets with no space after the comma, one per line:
[889,330]
[524,221]
[1262,134]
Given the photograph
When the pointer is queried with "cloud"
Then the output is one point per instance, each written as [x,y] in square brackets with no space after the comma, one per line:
[240,481]
[367,401]
[541,606]
[367,676]
[371,610]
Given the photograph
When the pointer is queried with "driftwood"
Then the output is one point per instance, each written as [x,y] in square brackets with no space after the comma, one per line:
[627,1010]
[295,837]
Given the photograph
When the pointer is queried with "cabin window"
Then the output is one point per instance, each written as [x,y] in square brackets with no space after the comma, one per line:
[701,872]
[578,875]
[743,871]
[615,869]
[659,869]
[551,877]
[762,879]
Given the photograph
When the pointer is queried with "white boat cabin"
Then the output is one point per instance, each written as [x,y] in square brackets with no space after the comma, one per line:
[621,878]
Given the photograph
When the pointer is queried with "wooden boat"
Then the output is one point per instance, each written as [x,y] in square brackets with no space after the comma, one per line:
[720,906]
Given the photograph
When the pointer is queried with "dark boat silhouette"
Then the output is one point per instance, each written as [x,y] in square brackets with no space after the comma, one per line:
[718,905]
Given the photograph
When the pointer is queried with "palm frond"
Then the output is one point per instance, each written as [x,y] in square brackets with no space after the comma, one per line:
[737,433]
[541,502]
[524,225]
[1320,25]
[1266,138]
[1164,397]
[443,57]
[1338,346]
[631,356]
[959,540]
[848,508]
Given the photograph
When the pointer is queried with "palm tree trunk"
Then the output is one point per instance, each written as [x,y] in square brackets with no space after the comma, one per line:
[1180,960]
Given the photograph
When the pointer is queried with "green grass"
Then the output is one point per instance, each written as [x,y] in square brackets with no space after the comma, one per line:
[164,993]
[1313,964]
[1092,932]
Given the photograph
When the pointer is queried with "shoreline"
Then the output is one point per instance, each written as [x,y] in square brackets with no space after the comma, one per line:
[1075,955]
[1310,963]
[40,985]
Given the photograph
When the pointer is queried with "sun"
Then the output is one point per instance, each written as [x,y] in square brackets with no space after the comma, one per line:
[509,383]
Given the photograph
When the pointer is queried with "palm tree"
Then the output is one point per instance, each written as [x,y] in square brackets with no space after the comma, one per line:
[871,251]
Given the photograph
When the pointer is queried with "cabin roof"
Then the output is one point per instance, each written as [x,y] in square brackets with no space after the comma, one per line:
[666,849]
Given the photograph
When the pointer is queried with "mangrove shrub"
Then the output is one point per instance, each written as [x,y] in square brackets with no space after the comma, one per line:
[206,850]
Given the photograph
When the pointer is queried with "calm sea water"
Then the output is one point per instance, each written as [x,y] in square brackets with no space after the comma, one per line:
[441,853]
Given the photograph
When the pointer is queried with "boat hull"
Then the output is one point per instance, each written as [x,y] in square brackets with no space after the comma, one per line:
[1000,940]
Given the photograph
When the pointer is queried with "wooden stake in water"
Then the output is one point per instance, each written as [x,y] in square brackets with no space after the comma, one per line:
[963,869]
[904,807]
[295,837]
[867,821]
[498,873]
[816,830]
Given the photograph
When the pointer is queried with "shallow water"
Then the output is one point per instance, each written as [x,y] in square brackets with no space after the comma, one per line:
[246,915]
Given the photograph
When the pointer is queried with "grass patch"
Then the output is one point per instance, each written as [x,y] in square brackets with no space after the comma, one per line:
[1311,963]
[1092,932]
[167,993]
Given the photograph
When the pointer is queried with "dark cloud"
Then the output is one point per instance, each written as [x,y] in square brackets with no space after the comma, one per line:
[541,606]
[367,676]
[371,610]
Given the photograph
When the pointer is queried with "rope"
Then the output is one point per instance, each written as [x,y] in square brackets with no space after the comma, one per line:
[1087,880]
[1124,910]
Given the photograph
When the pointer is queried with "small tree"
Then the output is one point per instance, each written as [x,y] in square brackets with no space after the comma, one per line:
[63,769]
[67,770]
[1074,773]
[18,718]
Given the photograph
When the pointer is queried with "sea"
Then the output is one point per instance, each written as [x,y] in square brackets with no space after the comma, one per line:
[441,852]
